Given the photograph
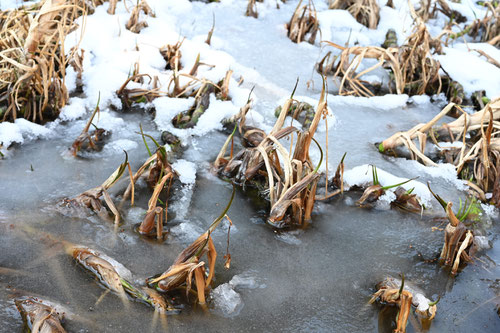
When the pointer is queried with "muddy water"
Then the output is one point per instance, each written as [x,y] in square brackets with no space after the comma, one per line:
[316,279]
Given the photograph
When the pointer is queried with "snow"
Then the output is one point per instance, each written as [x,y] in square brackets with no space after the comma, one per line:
[472,72]
[21,130]
[362,176]
[186,171]
[386,102]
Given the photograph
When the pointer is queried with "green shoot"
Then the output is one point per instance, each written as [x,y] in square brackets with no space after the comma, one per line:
[396,185]
[144,140]
[438,198]
[221,216]
[321,158]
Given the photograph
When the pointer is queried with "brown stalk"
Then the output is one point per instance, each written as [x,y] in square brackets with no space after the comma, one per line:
[303,23]
[365,12]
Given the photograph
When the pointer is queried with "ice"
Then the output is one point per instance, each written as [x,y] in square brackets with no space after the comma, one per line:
[226,301]
[289,237]
[246,280]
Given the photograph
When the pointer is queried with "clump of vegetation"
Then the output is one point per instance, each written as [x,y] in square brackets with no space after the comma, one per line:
[404,297]
[91,199]
[106,270]
[134,23]
[93,141]
[32,59]
[188,265]
[39,315]
[304,24]
[477,154]
[252,9]
[459,245]
[159,175]
[376,190]
[365,12]
[412,69]
[288,180]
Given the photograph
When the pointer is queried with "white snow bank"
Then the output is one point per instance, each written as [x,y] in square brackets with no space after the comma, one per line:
[445,171]
[471,71]
[21,130]
[362,176]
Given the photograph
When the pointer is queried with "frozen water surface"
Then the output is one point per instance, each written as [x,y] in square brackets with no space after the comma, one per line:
[317,279]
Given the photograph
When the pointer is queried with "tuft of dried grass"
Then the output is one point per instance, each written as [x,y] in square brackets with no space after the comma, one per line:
[478,157]
[365,12]
[413,70]
[91,199]
[252,9]
[288,180]
[33,60]
[187,266]
[134,23]
[304,24]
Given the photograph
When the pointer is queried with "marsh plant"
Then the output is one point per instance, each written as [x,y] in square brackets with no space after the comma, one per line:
[304,24]
[289,181]
[92,199]
[412,69]
[476,150]
[394,292]
[459,243]
[365,12]
[40,316]
[33,60]
[188,265]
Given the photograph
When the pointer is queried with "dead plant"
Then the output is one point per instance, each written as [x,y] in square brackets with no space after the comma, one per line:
[93,141]
[413,70]
[477,158]
[39,316]
[252,9]
[32,58]
[188,263]
[304,24]
[403,297]
[139,95]
[172,55]
[376,190]
[459,243]
[365,12]
[291,189]
[134,23]
[106,270]
[92,198]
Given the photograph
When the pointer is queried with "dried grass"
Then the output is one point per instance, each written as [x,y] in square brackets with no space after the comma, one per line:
[290,180]
[134,23]
[187,266]
[365,12]
[33,60]
[304,24]
[413,70]
[91,199]
[252,9]
[39,316]
[478,158]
